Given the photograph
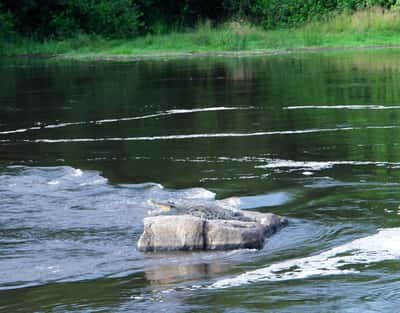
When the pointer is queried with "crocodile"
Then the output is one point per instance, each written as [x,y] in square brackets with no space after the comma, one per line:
[207,209]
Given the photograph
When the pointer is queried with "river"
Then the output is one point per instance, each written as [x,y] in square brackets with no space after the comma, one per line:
[84,146]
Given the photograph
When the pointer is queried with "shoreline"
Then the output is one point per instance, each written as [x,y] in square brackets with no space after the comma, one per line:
[208,54]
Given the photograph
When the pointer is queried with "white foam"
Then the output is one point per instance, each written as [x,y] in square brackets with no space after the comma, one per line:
[137,297]
[21,130]
[308,166]
[229,203]
[181,111]
[98,181]
[63,124]
[346,107]
[14,131]
[381,246]
[198,193]
[77,172]
[248,177]
[122,119]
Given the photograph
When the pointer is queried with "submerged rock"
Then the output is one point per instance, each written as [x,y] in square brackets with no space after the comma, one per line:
[187,232]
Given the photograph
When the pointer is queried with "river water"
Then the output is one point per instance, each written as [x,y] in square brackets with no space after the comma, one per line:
[314,137]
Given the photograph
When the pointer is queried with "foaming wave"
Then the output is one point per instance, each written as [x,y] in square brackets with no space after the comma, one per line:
[346,107]
[41,180]
[340,260]
[197,193]
[70,224]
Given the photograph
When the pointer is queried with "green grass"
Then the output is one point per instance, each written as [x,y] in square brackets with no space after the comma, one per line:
[373,27]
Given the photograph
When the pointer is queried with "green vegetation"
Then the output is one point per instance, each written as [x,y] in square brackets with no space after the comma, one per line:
[99,28]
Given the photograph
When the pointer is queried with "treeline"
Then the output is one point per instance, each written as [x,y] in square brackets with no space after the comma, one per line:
[42,19]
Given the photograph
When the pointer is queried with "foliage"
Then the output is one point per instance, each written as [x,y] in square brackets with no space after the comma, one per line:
[366,20]
[289,13]
[62,19]
[65,18]
[6,24]
[278,13]
[117,18]
[238,8]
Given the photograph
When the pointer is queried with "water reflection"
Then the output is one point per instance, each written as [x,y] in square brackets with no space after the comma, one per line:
[168,274]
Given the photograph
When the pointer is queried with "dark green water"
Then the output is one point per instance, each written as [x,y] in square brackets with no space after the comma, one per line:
[314,137]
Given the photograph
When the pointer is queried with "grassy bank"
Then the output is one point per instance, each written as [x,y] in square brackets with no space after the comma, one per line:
[373,27]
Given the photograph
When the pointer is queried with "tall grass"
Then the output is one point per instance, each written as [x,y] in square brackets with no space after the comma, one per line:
[375,19]
[374,26]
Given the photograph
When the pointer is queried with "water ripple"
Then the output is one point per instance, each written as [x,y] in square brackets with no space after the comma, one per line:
[348,107]
[339,260]
[207,135]
[122,119]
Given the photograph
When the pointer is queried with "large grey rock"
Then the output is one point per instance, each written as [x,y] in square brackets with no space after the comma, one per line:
[187,232]
[232,234]
[174,232]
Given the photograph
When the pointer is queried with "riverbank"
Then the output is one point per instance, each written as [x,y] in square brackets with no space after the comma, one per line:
[366,29]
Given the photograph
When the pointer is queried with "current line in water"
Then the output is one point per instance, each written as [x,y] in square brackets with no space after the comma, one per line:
[197,136]
[209,135]
[346,107]
[123,119]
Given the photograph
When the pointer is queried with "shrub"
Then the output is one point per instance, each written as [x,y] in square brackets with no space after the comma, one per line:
[117,18]
[7,29]
[278,13]
[288,13]
[237,8]
[112,18]
[41,19]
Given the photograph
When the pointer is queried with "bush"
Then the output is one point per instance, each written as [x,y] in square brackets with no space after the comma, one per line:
[288,13]
[7,29]
[237,9]
[278,13]
[42,19]
[112,18]
[64,25]
[117,18]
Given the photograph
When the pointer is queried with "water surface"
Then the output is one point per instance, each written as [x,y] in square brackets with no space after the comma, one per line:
[314,137]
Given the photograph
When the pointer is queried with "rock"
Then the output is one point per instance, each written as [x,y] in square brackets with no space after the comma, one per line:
[187,232]
[174,232]
[231,234]
[271,222]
